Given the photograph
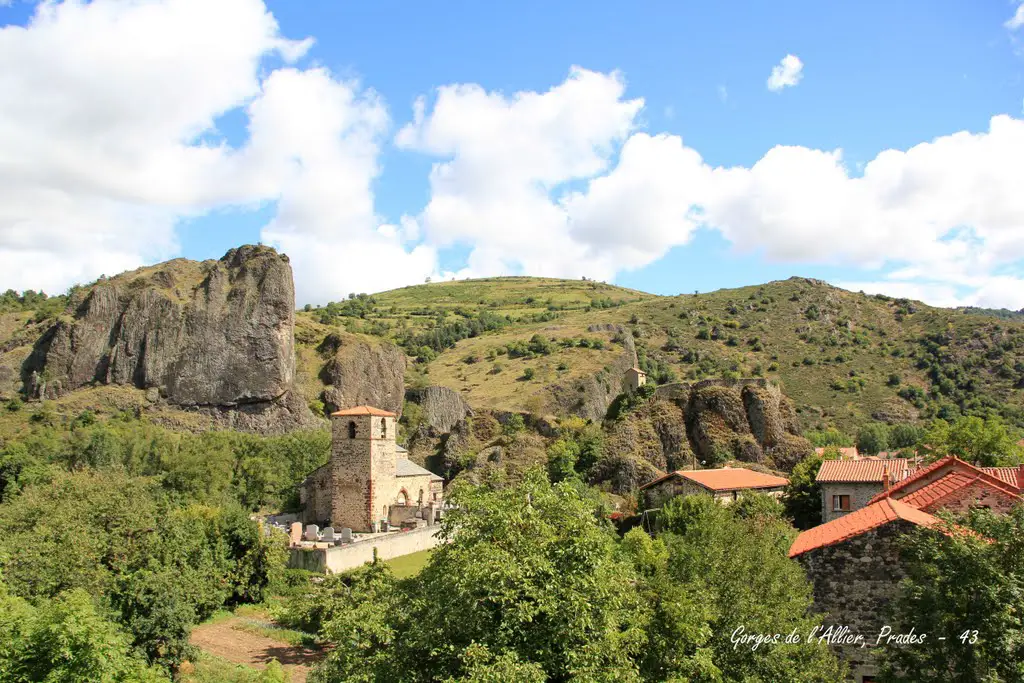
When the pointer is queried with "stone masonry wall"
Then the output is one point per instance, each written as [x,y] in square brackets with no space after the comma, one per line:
[976,495]
[362,470]
[343,558]
[853,582]
[860,493]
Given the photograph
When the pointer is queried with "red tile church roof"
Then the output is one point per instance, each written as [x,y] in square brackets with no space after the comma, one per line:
[364,410]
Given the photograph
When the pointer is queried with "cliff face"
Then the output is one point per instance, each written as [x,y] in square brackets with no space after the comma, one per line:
[710,422]
[214,336]
[361,371]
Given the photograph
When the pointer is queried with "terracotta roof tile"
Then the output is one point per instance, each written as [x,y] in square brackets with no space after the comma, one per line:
[862,470]
[1010,475]
[858,522]
[938,489]
[725,479]
[954,464]
[364,410]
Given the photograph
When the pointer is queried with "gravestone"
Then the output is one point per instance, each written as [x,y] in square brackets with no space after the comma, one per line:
[311,532]
[346,535]
[328,536]
[295,533]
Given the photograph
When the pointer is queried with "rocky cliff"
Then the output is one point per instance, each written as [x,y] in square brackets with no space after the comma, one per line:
[361,371]
[710,422]
[215,336]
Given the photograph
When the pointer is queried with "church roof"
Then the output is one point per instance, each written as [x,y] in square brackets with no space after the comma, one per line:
[364,410]
[407,468]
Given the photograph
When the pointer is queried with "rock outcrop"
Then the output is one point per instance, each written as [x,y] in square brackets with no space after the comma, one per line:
[589,397]
[362,371]
[441,408]
[215,336]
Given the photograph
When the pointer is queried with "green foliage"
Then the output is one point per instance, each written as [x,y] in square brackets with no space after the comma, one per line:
[513,425]
[629,401]
[528,374]
[873,438]
[829,437]
[802,498]
[984,442]
[160,567]
[962,586]
[531,575]
[535,586]
[66,640]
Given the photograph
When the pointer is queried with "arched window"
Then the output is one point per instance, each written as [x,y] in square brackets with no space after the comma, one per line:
[352,429]
[403,499]
[421,496]
[383,428]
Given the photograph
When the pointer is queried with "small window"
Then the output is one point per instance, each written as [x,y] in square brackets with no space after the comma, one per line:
[351,429]
[383,428]
[841,503]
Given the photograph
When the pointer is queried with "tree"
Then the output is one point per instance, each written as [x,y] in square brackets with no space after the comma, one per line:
[65,639]
[737,568]
[963,590]
[905,436]
[532,575]
[984,442]
[873,438]
[802,499]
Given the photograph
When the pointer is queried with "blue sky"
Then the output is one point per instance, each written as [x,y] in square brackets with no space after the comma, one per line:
[875,76]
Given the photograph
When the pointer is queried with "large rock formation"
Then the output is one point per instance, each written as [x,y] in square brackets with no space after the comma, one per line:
[362,371]
[215,336]
[710,422]
[441,408]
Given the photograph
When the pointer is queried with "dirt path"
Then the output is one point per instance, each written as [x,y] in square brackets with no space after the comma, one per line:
[224,640]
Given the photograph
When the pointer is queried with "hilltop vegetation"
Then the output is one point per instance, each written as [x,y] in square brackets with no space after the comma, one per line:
[845,358]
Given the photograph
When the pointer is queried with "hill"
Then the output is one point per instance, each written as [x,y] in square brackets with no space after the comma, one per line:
[844,358]
[549,346]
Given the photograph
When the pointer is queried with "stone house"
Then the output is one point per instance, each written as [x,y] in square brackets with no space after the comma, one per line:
[724,484]
[853,561]
[635,378]
[848,485]
[369,478]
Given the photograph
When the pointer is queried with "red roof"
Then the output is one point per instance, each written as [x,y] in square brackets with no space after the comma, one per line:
[954,464]
[862,470]
[725,479]
[1010,475]
[932,493]
[858,522]
[364,410]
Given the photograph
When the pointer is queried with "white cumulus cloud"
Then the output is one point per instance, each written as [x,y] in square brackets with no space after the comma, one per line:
[108,114]
[1017,20]
[786,73]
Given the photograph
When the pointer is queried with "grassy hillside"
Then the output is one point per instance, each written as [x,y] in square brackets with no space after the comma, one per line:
[843,357]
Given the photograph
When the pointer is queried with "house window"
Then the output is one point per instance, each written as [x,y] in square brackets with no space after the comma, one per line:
[352,429]
[840,503]
[383,428]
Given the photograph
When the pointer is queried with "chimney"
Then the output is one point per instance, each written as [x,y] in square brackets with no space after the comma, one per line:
[885,478]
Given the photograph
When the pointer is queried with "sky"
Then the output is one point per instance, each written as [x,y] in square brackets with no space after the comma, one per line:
[664,146]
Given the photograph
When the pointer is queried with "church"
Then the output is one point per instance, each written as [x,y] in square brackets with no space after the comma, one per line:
[369,481]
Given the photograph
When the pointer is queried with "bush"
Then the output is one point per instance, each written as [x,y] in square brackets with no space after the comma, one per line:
[528,374]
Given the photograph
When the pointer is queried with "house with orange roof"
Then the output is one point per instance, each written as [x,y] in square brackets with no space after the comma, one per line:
[725,484]
[848,485]
[854,562]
